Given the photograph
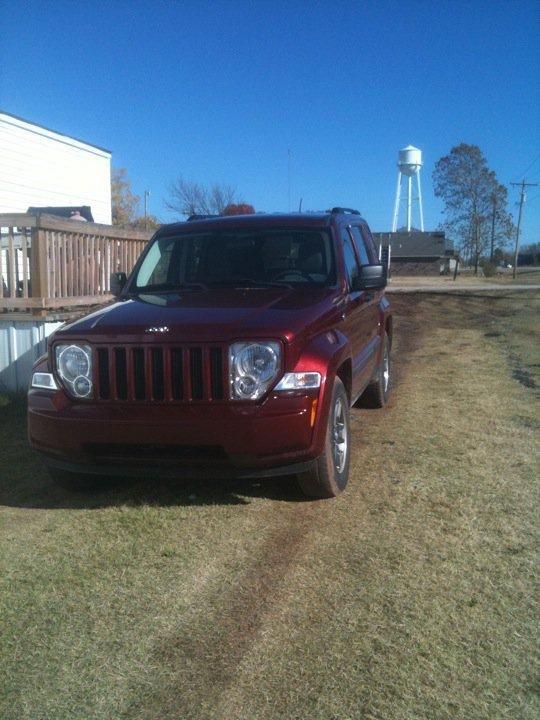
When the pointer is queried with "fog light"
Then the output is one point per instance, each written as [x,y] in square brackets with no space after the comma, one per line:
[82,386]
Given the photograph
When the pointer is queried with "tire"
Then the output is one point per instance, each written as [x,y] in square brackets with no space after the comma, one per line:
[330,474]
[77,482]
[377,393]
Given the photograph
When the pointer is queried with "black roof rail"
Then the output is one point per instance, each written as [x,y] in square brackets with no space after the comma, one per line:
[201,217]
[340,210]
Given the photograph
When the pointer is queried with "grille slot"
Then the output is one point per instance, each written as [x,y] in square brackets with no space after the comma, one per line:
[216,373]
[121,373]
[196,373]
[177,374]
[160,374]
[138,374]
[103,374]
[157,374]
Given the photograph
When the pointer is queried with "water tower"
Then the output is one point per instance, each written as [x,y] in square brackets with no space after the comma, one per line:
[409,164]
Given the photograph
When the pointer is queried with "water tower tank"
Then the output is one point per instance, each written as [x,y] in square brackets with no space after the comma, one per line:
[410,160]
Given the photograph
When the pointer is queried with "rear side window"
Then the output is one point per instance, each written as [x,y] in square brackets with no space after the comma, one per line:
[370,244]
[349,256]
[360,246]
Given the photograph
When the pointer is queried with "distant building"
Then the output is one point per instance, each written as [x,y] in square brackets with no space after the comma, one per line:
[64,212]
[418,253]
[43,168]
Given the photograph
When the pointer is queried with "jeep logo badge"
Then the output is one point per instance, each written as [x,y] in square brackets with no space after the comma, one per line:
[161,329]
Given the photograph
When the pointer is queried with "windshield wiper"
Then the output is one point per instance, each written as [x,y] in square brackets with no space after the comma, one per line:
[170,288]
[251,282]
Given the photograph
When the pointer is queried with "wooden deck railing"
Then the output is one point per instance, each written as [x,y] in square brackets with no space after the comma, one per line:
[47,262]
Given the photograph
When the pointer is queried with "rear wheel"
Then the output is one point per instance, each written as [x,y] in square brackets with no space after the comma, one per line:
[331,472]
[377,393]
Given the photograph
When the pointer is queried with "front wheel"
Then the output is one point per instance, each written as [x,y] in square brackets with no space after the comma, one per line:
[331,472]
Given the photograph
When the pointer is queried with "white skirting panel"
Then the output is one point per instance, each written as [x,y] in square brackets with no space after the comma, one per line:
[21,343]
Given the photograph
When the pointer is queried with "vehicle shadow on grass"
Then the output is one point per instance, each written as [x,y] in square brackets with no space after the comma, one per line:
[38,491]
[25,482]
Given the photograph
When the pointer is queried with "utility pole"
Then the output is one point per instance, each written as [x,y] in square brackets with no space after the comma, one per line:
[146,194]
[523,185]
[289,176]
[493,218]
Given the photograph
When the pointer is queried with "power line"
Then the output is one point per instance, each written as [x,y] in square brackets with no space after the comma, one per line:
[523,185]
[536,159]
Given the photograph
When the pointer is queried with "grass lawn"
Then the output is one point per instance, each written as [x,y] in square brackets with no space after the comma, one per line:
[410,597]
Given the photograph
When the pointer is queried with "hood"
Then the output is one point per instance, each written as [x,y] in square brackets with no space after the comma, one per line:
[211,315]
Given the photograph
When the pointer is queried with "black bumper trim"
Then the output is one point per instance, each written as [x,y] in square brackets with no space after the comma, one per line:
[181,471]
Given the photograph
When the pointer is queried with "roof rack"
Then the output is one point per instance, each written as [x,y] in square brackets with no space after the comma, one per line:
[341,210]
[201,217]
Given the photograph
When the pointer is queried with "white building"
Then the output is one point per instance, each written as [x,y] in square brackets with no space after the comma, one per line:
[41,168]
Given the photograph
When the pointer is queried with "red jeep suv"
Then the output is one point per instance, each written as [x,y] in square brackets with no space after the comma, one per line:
[235,348]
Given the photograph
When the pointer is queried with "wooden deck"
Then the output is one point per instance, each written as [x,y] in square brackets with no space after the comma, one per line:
[50,263]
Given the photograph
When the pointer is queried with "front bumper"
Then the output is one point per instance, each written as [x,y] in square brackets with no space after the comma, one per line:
[278,436]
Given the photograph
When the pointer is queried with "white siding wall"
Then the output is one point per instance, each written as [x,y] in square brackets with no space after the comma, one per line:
[39,167]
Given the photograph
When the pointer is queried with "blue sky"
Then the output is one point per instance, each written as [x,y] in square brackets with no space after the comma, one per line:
[219,91]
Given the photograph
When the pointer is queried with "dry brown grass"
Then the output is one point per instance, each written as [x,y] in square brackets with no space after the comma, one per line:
[411,596]
[467,279]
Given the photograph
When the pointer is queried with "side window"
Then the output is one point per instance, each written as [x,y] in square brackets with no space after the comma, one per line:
[349,256]
[156,266]
[360,246]
[370,244]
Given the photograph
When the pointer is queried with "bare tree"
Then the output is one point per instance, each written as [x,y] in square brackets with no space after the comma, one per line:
[190,198]
[475,202]
[220,197]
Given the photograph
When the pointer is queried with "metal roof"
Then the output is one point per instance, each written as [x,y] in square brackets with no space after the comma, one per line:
[63,211]
[415,244]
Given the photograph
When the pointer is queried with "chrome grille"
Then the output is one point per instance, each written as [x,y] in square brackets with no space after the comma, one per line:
[132,373]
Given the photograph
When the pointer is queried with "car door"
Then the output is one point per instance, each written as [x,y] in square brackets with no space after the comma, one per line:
[371,298]
[355,315]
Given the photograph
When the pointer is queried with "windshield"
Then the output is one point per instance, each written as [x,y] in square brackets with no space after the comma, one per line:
[237,259]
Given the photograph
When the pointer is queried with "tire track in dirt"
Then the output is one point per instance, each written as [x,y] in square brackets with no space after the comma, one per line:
[215,655]
[206,654]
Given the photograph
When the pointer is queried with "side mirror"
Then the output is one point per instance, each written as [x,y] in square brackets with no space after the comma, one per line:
[118,281]
[371,277]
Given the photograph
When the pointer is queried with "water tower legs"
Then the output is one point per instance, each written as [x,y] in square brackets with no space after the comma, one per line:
[410,199]
[409,203]
[420,202]
[396,204]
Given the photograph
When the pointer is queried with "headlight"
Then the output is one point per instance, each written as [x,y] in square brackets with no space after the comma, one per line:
[74,365]
[253,366]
